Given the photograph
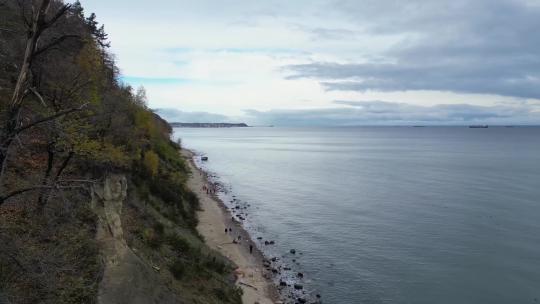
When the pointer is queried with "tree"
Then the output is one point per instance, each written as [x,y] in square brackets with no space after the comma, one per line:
[31,85]
[151,162]
[13,124]
[140,97]
[65,105]
[97,31]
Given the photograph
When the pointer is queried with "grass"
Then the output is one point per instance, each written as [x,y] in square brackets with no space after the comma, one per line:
[167,211]
[178,243]
[49,258]
[152,238]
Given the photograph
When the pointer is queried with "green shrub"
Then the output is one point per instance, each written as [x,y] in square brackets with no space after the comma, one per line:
[144,191]
[228,295]
[216,264]
[178,243]
[178,269]
[151,238]
[159,228]
[151,163]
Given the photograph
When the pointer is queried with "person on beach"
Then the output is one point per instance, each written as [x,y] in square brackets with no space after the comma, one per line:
[250,249]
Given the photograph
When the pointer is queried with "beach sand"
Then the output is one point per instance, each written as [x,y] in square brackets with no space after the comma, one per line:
[213,219]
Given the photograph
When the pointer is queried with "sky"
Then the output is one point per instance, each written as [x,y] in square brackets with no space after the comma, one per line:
[331,62]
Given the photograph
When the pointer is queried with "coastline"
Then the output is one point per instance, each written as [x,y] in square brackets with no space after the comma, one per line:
[254,280]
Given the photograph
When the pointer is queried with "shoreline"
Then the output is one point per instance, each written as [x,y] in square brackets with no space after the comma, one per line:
[214,217]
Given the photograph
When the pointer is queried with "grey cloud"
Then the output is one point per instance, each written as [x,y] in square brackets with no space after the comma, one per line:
[326,33]
[351,113]
[174,115]
[332,33]
[481,46]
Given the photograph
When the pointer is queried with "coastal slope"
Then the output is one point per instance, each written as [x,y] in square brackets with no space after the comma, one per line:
[213,220]
[94,205]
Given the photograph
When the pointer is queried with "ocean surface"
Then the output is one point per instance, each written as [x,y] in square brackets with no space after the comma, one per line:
[390,214]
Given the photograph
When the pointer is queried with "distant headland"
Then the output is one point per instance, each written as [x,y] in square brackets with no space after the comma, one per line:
[207,125]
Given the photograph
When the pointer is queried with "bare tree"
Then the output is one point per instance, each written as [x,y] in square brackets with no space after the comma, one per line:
[13,126]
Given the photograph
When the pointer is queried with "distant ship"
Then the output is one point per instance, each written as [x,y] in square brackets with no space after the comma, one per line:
[479,126]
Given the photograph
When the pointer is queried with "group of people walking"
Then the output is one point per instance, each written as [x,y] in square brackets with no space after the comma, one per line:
[209,189]
[238,240]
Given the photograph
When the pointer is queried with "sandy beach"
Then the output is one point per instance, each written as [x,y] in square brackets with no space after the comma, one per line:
[213,220]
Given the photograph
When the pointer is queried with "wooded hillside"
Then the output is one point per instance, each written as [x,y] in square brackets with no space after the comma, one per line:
[66,122]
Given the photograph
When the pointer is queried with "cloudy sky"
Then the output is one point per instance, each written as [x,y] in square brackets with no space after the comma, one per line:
[331,62]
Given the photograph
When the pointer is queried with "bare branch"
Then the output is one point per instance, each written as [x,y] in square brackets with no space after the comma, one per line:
[50,164]
[23,14]
[34,32]
[53,43]
[33,11]
[7,30]
[36,93]
[4,198]
[63,166]
[13,258]
[20,191]
[57,16]
[19,141]
[48,118]
[83,181]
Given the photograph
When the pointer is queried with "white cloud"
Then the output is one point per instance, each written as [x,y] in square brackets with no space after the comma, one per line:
[232,54]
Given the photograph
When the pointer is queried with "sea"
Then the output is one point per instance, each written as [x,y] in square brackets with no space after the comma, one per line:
[388,214]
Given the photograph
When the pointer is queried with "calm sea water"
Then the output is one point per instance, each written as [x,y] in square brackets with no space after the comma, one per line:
[392,214]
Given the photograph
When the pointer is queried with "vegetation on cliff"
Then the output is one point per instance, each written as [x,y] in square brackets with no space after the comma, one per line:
[66,121]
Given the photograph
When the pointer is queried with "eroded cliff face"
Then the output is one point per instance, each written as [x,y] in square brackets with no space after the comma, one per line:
[107,202]
[126,277]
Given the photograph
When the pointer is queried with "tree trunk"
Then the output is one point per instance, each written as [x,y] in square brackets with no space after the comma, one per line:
[12,121]
[47,175]
[6,138]
[63,166]
[34,32]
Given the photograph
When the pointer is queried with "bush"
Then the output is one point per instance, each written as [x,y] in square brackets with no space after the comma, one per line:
[192,199]
[159,228]
[178,269]
[228,295]
[151,238]
[178,243]
[144,191]
[216,265]
[151,163]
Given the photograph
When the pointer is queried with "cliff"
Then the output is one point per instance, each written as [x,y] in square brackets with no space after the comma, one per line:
[94,206]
